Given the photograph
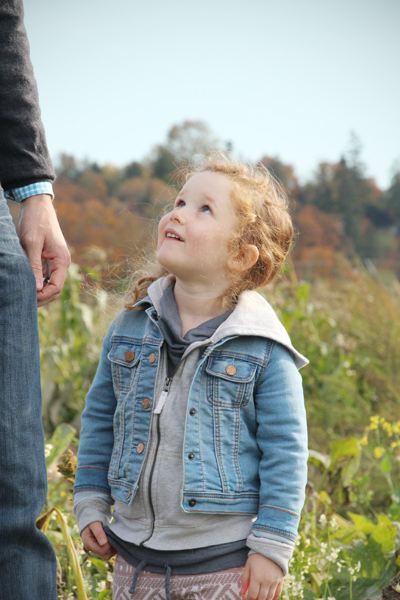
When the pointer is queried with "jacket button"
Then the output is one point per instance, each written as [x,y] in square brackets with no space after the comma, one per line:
[192,411]
[129,356]
[192,502]
[128,495]
[152,358]
[140,448]
[231,370]
[190,456]
[146,403]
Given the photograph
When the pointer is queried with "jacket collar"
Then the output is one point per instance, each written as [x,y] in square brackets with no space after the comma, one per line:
[253,315]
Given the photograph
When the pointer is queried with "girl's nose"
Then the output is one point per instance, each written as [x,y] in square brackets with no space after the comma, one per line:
[178,216]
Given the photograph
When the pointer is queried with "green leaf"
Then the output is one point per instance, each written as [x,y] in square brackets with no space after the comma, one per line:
[395,512]
[99,564]
[344,449]
[386,464]
[362,523]
[385,533]
[347,537]
[346,455]
[318,459]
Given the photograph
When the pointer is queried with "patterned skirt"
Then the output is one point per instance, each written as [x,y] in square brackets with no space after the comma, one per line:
[222,585]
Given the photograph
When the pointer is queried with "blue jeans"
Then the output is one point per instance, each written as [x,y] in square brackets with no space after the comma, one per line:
[27,560]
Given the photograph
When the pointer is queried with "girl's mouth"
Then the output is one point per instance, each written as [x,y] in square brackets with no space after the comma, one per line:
[173,236]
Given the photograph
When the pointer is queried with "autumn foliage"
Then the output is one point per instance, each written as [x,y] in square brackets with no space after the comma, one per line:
[339,211]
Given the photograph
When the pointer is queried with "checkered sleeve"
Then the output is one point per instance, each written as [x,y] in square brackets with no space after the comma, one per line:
[19,194]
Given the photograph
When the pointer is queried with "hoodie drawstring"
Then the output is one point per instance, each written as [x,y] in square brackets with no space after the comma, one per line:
[167,582]
[136,574]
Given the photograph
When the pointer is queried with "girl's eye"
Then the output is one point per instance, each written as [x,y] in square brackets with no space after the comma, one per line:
[179,203]
[206,209]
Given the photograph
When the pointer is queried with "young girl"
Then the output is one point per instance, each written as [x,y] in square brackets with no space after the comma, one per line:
[194,427]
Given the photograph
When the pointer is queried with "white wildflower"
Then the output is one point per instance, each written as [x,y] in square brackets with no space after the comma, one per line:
[47,449]
[334,523]
[323,519]
[101,586]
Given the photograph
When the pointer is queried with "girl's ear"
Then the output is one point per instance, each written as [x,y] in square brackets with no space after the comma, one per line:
[246,258]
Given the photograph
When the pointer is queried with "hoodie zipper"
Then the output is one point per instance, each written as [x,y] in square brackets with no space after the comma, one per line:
[161,401]
[163,396]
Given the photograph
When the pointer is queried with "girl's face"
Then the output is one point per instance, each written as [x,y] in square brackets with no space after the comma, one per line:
[193,238]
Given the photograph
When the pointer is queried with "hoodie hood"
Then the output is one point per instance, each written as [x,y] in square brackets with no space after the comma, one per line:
[253,315]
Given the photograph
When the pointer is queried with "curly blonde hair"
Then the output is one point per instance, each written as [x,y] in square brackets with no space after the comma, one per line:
[263,220]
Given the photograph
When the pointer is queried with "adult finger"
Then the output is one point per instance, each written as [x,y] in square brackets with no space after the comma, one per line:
[34,254]
[46,267]
[52,289]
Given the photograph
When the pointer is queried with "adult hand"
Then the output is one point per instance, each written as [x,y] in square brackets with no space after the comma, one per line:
[95,540]
[41,238]
[262,578]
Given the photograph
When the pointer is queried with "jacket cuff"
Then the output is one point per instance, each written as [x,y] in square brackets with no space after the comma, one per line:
[92,479]
[279,552]
[278,521]
[90,510]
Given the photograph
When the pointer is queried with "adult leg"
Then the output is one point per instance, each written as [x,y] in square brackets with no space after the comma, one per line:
[27,560]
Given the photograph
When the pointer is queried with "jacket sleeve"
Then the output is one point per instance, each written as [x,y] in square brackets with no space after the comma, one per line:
[24,158]
[97,436]
[282,439]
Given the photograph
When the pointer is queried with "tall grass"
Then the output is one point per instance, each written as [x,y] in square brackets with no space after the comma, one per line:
[349,329]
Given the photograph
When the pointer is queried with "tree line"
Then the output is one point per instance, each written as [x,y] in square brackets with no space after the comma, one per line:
[339,210]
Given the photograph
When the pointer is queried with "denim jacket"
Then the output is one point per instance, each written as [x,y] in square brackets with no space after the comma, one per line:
[245,442]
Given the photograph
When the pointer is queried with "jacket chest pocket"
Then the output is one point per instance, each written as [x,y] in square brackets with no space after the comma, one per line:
[124,357]
[230,381]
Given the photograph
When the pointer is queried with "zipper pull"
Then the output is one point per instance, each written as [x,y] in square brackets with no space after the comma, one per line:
[163,396]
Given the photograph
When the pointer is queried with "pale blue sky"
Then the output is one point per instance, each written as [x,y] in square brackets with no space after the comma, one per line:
[289,78]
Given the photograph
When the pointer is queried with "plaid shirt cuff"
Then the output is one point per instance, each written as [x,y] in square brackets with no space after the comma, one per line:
[19,194]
